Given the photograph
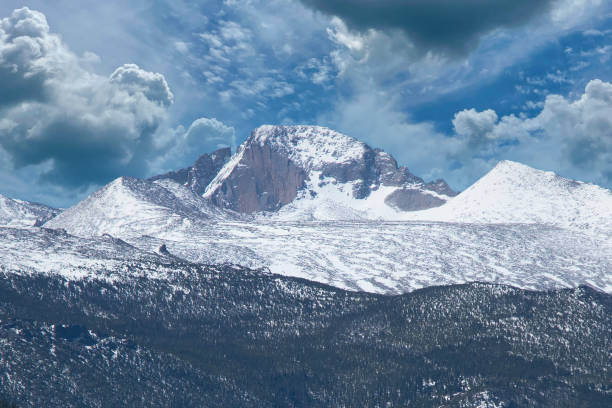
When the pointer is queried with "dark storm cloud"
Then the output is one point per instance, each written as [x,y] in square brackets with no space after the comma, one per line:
[449,26]
[84,127]
[24,43]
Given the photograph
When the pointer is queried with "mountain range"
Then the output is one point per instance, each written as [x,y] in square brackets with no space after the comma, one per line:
[306,201]
[309,269]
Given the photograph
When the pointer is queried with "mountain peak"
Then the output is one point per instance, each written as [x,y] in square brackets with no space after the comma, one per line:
[198,176]
[516,193]
[514,175]
[310,147]
[509,166]
[127,204]
[277,162]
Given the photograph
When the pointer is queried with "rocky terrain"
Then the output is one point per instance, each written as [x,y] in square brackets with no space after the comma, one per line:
[198,176]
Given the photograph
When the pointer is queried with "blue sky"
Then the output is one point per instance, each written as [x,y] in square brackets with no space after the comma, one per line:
[95,90]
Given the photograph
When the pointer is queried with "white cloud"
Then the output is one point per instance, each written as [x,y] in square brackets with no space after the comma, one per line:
[85,128]
[475,126]
[184,146]
[572,137]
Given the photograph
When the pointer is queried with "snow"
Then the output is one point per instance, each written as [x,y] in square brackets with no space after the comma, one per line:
[324,199]
[310,147]
[18,213]
[517,226]
[515,193]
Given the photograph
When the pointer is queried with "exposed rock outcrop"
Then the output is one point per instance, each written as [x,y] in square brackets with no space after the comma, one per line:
[201,173]
[276,162]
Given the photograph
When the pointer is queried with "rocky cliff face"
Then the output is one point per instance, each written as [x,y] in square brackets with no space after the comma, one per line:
[264,180]
[201,173]
[276,162]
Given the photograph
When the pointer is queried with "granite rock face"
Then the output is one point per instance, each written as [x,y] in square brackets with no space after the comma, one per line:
[276,162]
[265,180]
[201,173]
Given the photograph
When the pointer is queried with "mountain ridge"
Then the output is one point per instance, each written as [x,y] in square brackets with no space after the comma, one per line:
[274,165]
[513,192]
[131,207]
[20,213]
[200,174]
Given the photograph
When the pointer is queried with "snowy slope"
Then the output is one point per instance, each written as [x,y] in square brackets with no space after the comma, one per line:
[18,213]
[134,207]
[515,193]
[325,199]
[397,257]
[385,257]
[45,251]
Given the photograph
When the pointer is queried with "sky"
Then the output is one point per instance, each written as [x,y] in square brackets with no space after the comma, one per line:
[90,90]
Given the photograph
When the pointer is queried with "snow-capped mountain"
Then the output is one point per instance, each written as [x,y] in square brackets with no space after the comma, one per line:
[515,193]
[18,213]
[517,225]
[198,176]
[130,207]
[310,166]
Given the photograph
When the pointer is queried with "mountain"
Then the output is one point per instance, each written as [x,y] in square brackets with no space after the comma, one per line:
[198,176]
[133,207]
[18,213]
[150,293]
[515,193]
[526,244]
[278,165]
[153,332]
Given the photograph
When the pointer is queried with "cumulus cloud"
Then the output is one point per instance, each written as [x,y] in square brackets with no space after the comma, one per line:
[475,126]
[135,80]
[450,26]
[574,137]
[85,128]
[583,127]
[203,135]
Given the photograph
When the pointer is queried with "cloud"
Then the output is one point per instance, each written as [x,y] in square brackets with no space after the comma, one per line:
[85,128]
[452,27]
[475,126]
[583,127]
[203,135]
[135,80]
[573,137]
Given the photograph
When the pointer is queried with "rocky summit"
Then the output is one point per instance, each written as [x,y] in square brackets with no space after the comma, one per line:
[201,173]
[276,163]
